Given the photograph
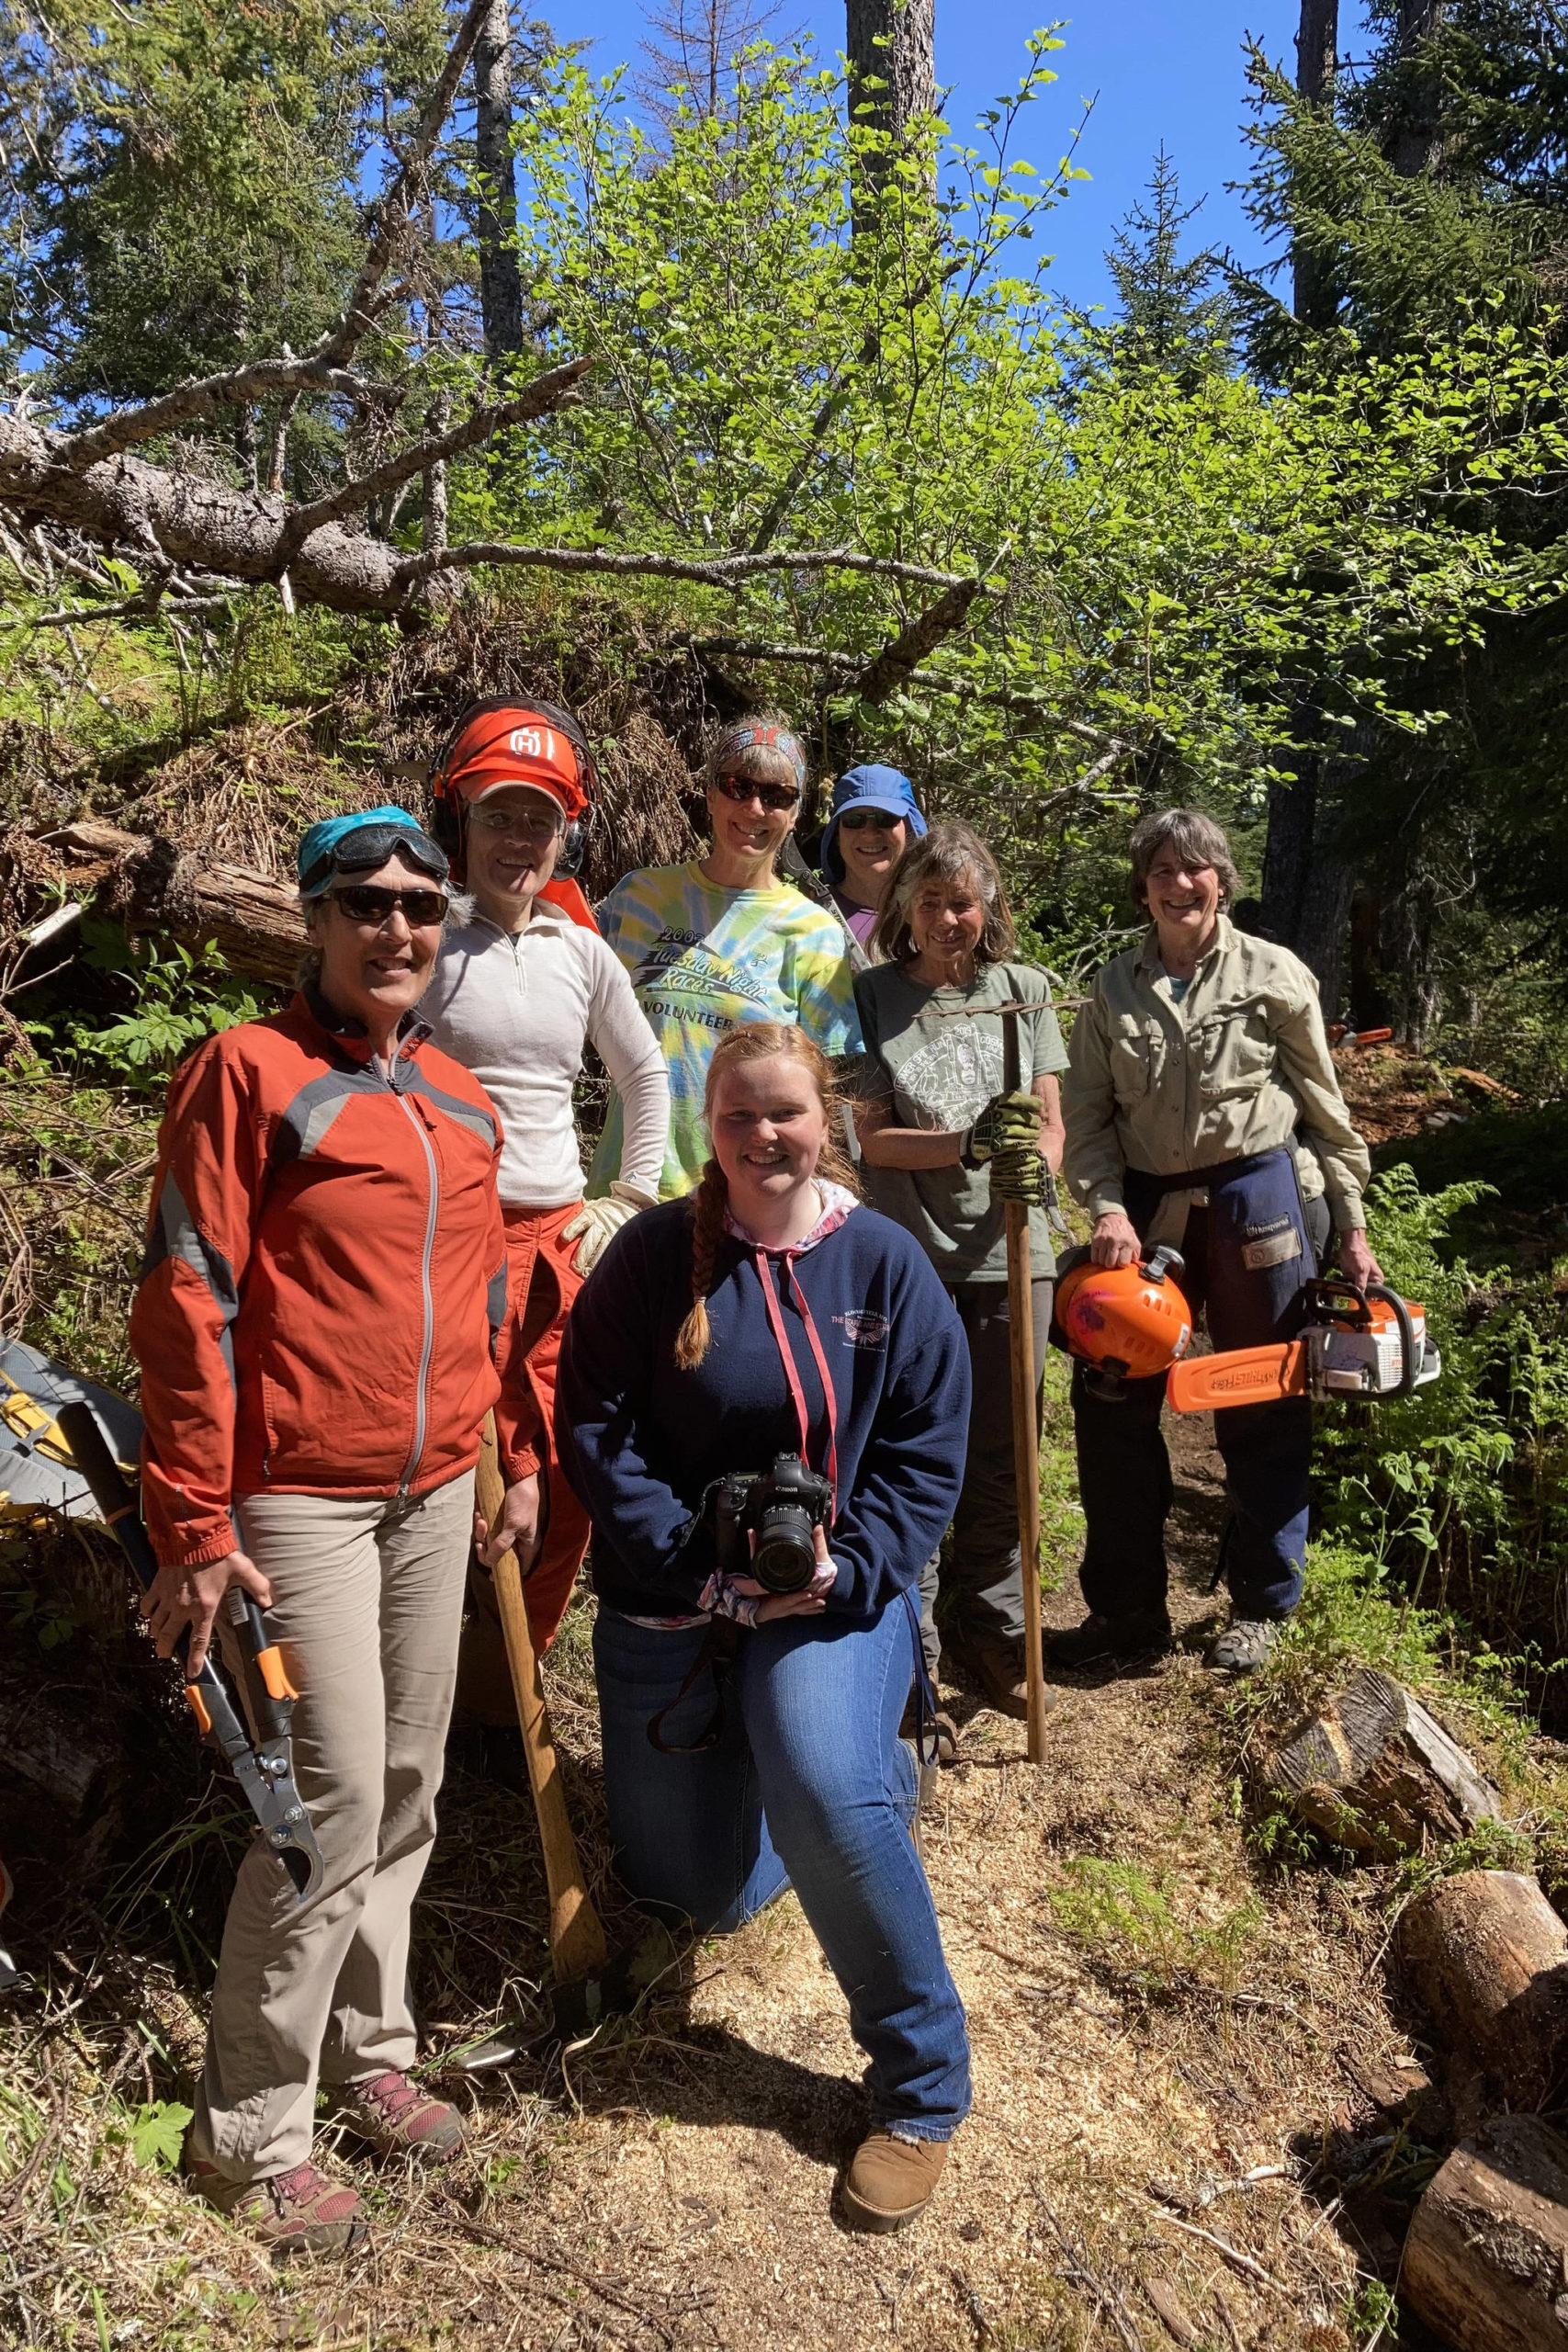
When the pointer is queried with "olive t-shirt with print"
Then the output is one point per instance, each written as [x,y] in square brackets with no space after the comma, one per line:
[935,1057]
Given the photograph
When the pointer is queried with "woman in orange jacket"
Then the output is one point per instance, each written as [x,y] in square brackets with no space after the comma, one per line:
[325,1272]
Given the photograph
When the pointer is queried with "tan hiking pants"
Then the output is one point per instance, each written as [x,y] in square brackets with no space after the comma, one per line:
[367,1597]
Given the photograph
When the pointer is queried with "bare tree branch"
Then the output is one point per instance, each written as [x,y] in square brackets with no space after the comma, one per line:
[850,665]
[146,605]
[394,205]
[715,572]
[545,394]
[194,401]
[896,662]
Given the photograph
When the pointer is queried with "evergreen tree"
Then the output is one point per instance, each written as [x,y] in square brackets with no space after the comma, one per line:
[1173,315]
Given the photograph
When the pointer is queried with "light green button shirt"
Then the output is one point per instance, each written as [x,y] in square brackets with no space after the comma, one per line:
[1237,1066]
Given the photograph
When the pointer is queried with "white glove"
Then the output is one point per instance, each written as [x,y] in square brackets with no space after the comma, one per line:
[597,1221]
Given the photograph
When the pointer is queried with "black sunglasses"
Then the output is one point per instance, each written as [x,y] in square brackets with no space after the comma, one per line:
[367,902]
[772,796]
[857,820]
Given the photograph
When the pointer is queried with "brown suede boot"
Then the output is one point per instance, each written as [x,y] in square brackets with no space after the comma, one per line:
[890,2182]
[998,1667]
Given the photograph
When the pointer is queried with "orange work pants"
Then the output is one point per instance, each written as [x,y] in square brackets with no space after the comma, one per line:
[541,1283]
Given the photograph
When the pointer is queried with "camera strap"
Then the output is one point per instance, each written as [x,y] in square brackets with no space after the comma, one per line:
[717,1657]
[792,1374]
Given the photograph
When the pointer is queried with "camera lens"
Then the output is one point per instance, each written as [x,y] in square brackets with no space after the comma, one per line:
[785,1557]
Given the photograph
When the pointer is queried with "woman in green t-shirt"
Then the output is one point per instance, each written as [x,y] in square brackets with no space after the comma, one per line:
[942,1146]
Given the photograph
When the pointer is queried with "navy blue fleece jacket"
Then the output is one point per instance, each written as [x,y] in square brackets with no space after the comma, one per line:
[640,1442]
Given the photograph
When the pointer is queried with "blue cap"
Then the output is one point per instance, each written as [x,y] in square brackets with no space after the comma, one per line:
[327,849]
[869,787]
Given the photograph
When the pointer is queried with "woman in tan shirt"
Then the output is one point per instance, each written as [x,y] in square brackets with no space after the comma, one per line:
[1198,1055]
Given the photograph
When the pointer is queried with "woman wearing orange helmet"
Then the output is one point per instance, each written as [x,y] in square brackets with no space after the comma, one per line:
[1197,1058]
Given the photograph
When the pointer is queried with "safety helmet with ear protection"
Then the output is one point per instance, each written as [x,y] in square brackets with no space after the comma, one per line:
[1125,1322]
[508,740]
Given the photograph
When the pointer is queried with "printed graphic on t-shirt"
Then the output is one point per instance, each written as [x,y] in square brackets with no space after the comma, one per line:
[704,961]
[681,974]
[948,1080]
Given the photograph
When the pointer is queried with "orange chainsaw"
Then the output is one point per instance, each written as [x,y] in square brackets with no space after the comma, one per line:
[1134,1322]
[1352,1343]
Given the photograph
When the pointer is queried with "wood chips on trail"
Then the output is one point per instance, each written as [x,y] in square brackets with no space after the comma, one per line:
[1158,2035]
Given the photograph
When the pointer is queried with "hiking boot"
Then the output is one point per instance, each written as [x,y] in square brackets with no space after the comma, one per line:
[1143,1633]
[299,2211]
[997,1665]
[941,1722]
[1245,1642]
[890,2182]
[396,2117]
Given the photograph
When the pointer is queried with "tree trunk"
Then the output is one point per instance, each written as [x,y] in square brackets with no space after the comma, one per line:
[892,42]
[1408,954]
[436,508]
[1369,1006]
[154,885]
[1307,884]
[1413,142]
[1486,2259]
[1487,1957]
[1376,1772]
[501,280]
[1317,59]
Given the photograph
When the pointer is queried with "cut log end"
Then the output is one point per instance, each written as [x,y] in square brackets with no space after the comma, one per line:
[1487,1957]
[1377,1773]
[1486,2259]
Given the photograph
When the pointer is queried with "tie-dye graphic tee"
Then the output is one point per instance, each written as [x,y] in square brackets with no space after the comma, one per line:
[703,960]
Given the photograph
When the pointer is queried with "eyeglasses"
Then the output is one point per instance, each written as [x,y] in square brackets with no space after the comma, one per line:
[528,824]
[772,796]
[365,902]
[855,820]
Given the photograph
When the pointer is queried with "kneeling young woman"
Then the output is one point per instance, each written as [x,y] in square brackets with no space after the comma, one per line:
[771,1315]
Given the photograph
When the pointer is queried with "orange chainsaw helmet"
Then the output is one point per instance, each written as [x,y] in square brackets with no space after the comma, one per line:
[1128,1322]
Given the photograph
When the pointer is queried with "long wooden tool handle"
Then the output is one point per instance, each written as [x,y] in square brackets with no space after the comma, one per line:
[1025,1428]
[577,1938]
[1026,1463]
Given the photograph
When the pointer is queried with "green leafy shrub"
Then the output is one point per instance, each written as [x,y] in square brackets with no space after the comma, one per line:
[178,997]
[1460,1493]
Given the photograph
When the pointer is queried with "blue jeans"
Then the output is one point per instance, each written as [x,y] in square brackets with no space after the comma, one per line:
[1123,1469]
[809,1785]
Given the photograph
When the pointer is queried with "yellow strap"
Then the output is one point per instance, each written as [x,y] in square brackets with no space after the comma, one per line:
[27,1419]
[27,1416]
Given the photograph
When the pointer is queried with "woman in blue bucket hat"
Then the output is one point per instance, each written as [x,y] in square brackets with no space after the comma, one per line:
[874,818]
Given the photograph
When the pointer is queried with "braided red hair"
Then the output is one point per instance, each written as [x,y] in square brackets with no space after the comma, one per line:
[755,1041]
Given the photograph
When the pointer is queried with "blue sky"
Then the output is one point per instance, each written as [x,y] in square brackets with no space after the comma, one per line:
[1157,69]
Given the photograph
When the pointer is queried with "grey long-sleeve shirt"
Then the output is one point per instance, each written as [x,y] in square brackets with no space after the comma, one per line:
[516,1008]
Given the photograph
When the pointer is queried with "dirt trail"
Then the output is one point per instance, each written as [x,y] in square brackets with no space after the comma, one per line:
[697,2166]
[1144,2008]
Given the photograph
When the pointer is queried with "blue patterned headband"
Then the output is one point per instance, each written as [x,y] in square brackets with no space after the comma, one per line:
[759,735]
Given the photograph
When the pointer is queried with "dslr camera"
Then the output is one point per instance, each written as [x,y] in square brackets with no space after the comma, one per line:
[782,1506]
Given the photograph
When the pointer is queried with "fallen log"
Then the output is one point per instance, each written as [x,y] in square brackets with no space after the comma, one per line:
[154,884]
[1487,1957]
[1486,2257]
[1377,1773]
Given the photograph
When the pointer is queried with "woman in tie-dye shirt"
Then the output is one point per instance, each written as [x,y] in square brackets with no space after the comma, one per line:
[721,940]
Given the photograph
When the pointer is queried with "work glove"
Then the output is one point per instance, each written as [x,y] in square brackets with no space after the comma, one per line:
[597,1221]
[1007,1123]
[1021,1174]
